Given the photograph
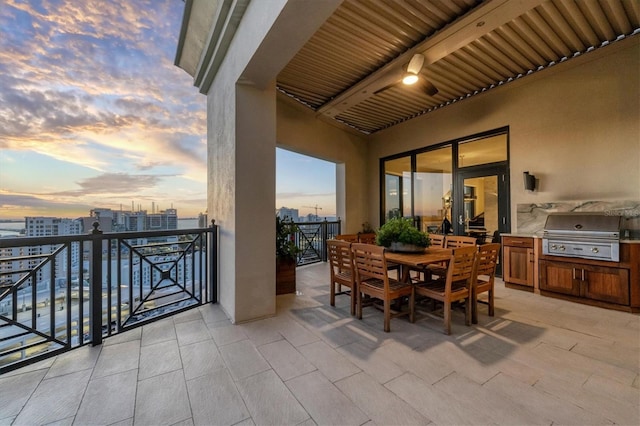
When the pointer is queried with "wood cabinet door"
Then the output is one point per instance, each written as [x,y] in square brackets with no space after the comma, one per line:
[606,284]
[518,265]
[559,277]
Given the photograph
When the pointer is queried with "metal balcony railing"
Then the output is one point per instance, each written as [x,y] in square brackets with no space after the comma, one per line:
[311,238]
[58,293]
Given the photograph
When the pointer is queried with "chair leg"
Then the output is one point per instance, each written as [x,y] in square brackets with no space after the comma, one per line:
[332,297]
[468,308]
[412,305]
[359,304]
[474,306]
[491,311]
[447,317]
[353,300]
[387,315]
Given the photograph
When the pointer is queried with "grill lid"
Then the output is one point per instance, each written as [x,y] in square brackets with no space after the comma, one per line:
[582,223]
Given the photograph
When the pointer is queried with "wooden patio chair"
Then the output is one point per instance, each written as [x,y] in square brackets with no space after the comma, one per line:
[342,272]
[372,280]
[455,286]
[437,240]
[352,238]
[484,276]
[368,238]
[456,241]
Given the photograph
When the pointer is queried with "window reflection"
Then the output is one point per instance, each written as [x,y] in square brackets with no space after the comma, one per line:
[433,182]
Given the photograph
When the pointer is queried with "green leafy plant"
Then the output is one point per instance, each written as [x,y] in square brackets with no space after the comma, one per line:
[401,230]
[285,244]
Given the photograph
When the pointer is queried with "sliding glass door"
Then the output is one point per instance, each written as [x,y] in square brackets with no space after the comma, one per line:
[433,181]
[459,187]
[397,188]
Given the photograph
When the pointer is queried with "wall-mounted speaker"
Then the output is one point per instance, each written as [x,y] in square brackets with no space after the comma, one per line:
[529,182]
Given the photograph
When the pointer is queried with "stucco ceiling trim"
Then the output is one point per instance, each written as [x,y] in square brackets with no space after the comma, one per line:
[226,21]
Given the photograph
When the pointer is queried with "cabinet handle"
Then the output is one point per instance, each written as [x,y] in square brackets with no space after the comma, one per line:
[573,273]
[584,274]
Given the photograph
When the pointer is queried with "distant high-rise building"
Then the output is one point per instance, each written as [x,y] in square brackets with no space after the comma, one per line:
[202,221]
[41,226]
[46,226]
[286,212]
[165,219]
[136,221]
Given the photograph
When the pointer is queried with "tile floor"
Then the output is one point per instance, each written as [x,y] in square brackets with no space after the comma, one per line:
[538,361]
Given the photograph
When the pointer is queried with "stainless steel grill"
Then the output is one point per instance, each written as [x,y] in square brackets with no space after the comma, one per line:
[585,235]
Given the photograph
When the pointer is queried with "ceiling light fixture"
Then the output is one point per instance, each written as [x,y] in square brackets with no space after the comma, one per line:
[409,79]
[413,68]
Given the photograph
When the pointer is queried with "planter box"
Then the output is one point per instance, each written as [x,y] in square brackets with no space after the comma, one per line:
[285,276]
[405,248]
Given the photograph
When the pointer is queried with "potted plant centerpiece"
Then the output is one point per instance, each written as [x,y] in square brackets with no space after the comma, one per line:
[399,234]
[286,256]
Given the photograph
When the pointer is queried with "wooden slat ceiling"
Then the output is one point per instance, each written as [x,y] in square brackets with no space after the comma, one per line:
[470,46]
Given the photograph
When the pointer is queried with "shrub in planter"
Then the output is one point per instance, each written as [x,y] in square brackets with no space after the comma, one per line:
[286,256]
[399,234]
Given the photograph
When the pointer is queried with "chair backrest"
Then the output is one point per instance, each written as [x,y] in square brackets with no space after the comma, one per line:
[340,256]
[369,262]
[462,266]
[455,241]
[437,240]
[487,259]
[352,238]
[368,238]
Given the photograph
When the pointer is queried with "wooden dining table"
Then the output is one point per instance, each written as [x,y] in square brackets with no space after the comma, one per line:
[408,261]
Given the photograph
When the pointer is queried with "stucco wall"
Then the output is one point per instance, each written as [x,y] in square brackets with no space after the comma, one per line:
[576,126]
[298,130]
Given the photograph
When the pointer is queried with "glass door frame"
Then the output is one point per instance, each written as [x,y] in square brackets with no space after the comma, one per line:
[501,170]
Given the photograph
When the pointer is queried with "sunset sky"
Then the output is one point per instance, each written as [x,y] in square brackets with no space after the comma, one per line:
[93,113]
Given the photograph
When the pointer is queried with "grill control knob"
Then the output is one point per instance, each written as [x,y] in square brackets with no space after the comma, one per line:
[595,249]
[561,248]
[554,247]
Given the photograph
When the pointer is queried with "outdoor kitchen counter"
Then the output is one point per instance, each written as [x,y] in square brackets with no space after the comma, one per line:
[535,236]
[614,285]
[522,235]
[629,241]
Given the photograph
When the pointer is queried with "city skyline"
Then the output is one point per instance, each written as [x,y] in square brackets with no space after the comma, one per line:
[94,114]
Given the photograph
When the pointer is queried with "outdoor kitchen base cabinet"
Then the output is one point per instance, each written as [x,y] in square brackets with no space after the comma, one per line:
[595,283]
[518,262]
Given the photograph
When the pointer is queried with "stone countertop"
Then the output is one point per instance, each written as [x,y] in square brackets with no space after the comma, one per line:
[629,241]
[521,235]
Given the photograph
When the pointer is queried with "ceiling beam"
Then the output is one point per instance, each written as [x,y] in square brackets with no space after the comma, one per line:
[477,23]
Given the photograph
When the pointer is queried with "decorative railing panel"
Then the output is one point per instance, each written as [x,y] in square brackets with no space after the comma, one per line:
[62,292]
[311,238]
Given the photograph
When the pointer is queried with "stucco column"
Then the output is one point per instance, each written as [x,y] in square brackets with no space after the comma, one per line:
[241,141]
[255,202]
[241,126]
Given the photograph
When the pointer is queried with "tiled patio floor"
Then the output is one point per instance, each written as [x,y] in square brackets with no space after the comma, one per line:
[538,361]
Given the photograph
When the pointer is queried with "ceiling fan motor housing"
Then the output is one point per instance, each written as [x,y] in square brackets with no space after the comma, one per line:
[415,64]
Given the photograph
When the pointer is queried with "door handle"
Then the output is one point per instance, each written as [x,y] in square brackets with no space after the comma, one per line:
[460,220]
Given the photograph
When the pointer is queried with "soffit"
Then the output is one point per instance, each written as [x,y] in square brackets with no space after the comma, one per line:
[469,46]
